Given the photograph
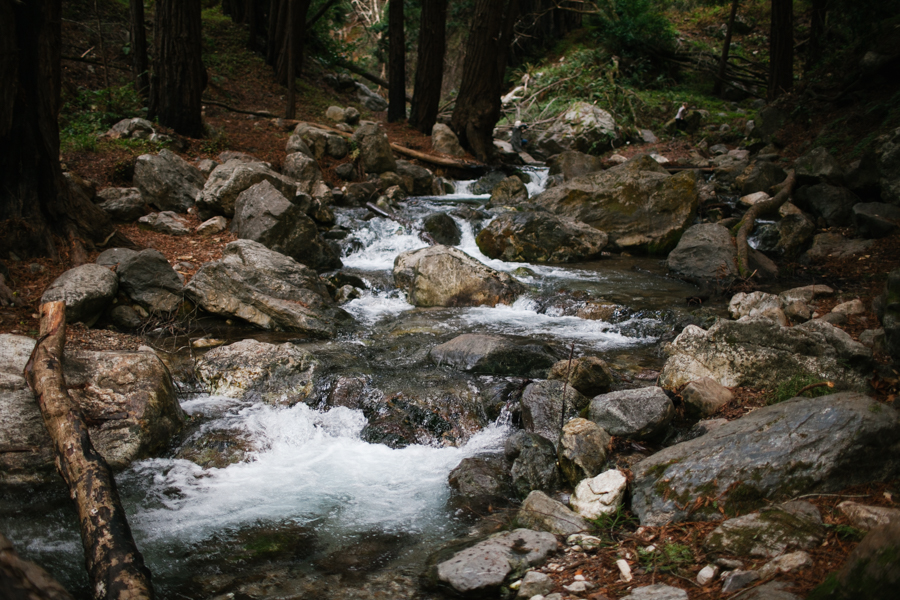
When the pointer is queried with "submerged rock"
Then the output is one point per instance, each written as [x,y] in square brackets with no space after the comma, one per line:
[494,355]
[540,237]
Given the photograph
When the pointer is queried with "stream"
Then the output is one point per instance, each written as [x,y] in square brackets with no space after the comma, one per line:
[323,499]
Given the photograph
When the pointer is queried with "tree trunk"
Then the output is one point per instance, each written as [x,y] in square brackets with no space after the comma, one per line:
[478,103]
[429,66]
[816,33]
[295,23]
[36,209]
[291,76]
[396,63]
[781,49]
[140,66]
[115,566]
[179,78]
[726,46]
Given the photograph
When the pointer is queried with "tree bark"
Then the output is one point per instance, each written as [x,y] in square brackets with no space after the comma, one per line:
[140,65]
[37,213]
[429,66]
[816,33]
[478,103]
[396,63]
[726,46]
[781,49]
[24,580]
[295,18]
[291,62]
[115,566]
[179,78]
[785,189]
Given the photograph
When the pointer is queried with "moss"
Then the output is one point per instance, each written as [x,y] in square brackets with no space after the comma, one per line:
[743,499]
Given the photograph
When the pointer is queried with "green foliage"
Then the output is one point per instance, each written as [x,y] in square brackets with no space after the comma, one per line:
[632,27]
[847,533]
[89,113]
[612,523]
[667,558]
[790,388]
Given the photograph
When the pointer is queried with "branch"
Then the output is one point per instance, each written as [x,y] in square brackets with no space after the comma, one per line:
[262,113]
[365,75]
[755,211]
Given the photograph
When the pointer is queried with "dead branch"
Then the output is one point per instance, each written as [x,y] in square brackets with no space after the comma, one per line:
[115,566]
[259,113]
[755,211]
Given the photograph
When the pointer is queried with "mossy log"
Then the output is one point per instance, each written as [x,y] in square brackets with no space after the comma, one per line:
[785,189]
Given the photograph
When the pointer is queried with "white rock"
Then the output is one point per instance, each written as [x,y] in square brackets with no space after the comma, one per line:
[751,199]
[707,574]
[786,563]
[600,495]
[624,570]
[578,587]
[854,307]
[867,517]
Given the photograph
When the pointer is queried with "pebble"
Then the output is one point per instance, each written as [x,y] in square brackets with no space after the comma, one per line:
[624,569]
[707,574]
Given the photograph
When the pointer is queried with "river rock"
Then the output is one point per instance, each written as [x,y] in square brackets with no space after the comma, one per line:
[415,180]
[770,532]
[832,203]
[875,219]
[638,204]
[540,237]
[123,205]
[486,183]
[535,583]
[167,181]
[583,127]
[871,571]
[582,450]
[533,463]
[657,591]
[228,180]
[868,518]
[704,397]
[166,222]
[375,154]
[443,140]
[482,481]
[267,289]
[494,355]
[148,279]
[445,276]
[600,495]
[705,253]
[484,567]
[755,352]
[87,290]
[818,166]
[547,404]
[589,375]
[759,176]
[640,414]
[443,229]
[835,245]
[127,399]
[276,374]
[264,215]
[540,511]
[571,164]
[509,192]
[848,439]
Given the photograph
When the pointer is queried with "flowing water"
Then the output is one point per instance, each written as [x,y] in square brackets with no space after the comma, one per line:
[326,497]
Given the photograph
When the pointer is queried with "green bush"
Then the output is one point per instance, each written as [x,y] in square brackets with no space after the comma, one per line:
[632,27]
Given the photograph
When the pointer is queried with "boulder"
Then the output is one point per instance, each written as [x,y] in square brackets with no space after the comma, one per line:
[165,222]
[228,180]
[267,289]
[638,204]
[127,398]
[832,203]
[533,460]
[443,229]
[572,164]
[446,276]
[443,140]
[148,279]
[548,404]
[888,160]
[818,166]
[167,181]
[771,532]
[316,143]
[415,180]
[705,397]
[482,481]
[600,495]
[87,291]
[582,450]
[583,127]
[868,518]
[641,413]
[212,226]
[872,570]
[370,99]
[113,256]
[756,352]
[375,154]
[786,563]
[494,355]
[772,454]
[486,183]
[705,253]
[303,169]
[875,219]
[123,205]
[540,237]
[275,374]
[540,511]
[262,214]
[587,374]
[759,176]
[509,192]
[795,230]
[835,245]
[136,129]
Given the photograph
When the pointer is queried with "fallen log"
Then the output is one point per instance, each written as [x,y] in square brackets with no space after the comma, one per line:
[20,578]
[114,564]
[785,189]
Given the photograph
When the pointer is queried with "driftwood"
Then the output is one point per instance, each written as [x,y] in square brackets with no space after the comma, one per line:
[785,189]
[115,566]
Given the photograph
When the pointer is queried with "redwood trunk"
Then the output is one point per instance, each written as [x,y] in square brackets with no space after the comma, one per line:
[295,25]
[781,49]
[115,566]
[816,33]
[396,63]
[179,77]
[429,66]
[726,46]
[140,66]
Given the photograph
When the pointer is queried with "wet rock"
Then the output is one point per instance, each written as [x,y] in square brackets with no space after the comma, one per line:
[704,397]
[769,533]
[583,127]
[87,290]
[540,237]
[509,192]
[540,511]
[267,289]
[847,438]
[276,374]
[375,154]
[493,355]
[124,205]
[533,463]
[582,450]
[868,517]
[705,253]
[443,229]
[547,404]
[875,220]
[487,183]
[658,591]
[415,180]
[446,276]
[759,176]
[482,482]
[148,279]
[600,495]
[167,181]
[571,164]
[165,222]
[589,375]
[638,204]
[228,180]
[25,579]
[638,414]
[757,351]
[443,140]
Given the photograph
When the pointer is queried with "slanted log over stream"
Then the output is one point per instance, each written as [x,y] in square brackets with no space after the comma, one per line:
[115,566]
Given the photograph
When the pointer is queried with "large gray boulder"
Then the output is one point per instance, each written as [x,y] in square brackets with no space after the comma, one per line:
[548,404]
[540,237]
[375,154]
[770,532]
[443,140]
[303,169]
[589,375]
[540,511]
[481,482]
[583,127]
[582,450]
[127,398]
[167,181]
[509,192]
[317,143]
[832,203]
[571,164]
[446,276]
[148,279]
[756,352]
[123,205]
[639,414]
[276,374]
[705,253]
[166,222]
[533,459]
[265,288]
[228,180]
[494,355]
[638,204]
[818,166]
[264,215]
[87,290]
[370,99]
[415,180]
[775,453]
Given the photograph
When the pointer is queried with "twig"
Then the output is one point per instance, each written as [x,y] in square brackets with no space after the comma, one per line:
[815,385]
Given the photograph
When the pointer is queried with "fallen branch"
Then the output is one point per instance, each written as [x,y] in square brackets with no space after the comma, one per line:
[260,113]
[755,211]
[115,566]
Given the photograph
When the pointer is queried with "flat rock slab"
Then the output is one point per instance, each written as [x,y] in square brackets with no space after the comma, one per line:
[770,532]
[638,414]
[658,591]
[540,511]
